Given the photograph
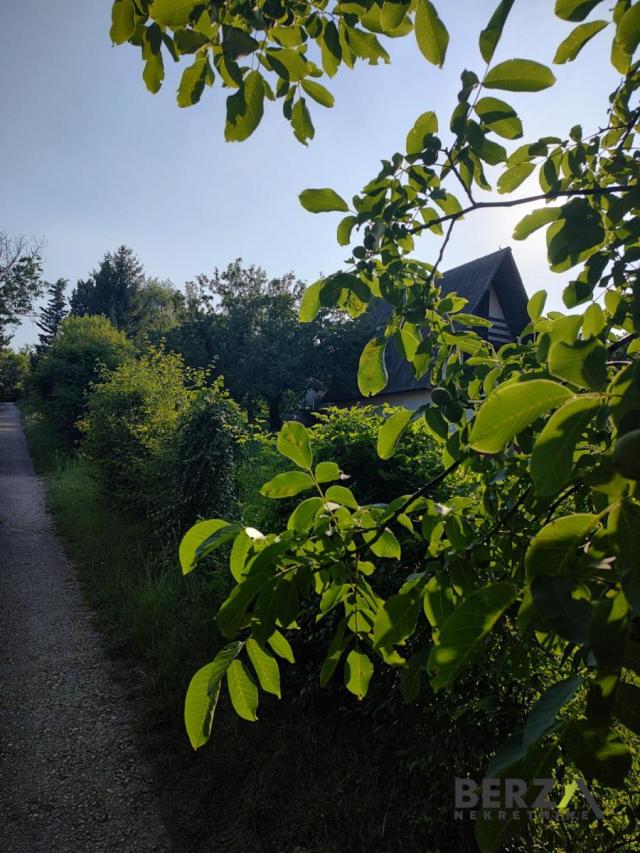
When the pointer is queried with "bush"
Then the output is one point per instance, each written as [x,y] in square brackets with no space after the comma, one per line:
[349,437]
[14,367]
[81,355]
[197,476]
[130,418]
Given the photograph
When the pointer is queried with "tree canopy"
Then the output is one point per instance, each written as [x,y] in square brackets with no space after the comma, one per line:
[20,280]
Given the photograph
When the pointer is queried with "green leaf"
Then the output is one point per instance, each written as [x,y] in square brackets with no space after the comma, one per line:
[556,607]
[266,668]
[345,228]
[245,109]
[232,615]
[341,495]
[438,600]
[318,93]
[281,647]
[543,716]
[304,515]
[173,13]
[512,407]
[576,40]
[293,442]
[330,48]
[499,117]
[532,221]
[628,30]
[424,125]
[287,485]
[583,363]
[464,630]
[390,432]
[511,179]
[396,620]
[193,539]
[535,306]
[192,82]
[431,33]
[386,545]
[623,529]
[519,75]
[123,22]
[600,756]
[552,456]
[554,546]
[190,41]
[575,10]
[202,695]
[242,690]
[153,73]
[322,200]
[326,472]
[301,123]
[372,370]
[237,42]
[627,707]
[334,653]
[490,36]
[288,64]
[310,303]
[358,670]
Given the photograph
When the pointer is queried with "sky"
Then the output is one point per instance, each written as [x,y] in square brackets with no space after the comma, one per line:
[91,160]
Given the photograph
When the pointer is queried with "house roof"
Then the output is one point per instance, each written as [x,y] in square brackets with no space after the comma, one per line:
[473,281]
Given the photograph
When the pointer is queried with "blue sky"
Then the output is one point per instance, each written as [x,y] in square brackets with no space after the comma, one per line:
[91,160]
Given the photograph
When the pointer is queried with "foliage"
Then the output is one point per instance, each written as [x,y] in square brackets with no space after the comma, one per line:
[20,282]
[544,556]
[111,290]
[246,325]
[130,417]
[156,308]
[14,369]
[52,315]
[84,348]
[197,472]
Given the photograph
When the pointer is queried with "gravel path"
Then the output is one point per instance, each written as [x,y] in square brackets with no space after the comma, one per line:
[70,777]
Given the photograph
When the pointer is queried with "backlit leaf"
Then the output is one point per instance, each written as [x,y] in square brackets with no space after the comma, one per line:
[431,33]
[512,407]
[519,75]
[242,690]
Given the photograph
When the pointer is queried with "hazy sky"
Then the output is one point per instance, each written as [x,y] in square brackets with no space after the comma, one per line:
[91,160]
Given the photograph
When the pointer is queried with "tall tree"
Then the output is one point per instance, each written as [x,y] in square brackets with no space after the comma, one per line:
[20,280]
[52,315]
[111,290]
[246,327]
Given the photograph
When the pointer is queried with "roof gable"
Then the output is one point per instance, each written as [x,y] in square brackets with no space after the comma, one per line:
[473,281]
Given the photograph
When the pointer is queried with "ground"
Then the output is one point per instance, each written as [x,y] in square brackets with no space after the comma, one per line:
[72,779]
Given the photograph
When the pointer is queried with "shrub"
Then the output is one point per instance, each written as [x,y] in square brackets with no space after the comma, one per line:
[349,437]
[197,474]
[14,367]
[130,418]
[81,355]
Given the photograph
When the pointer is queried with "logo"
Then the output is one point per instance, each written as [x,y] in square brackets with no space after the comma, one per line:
[516,799]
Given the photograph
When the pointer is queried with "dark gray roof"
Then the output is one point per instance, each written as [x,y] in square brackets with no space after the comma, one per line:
[473,281]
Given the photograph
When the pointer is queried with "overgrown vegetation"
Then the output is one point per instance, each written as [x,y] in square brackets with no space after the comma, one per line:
[542,562]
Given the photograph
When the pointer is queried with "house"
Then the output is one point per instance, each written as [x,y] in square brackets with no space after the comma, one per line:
[494,290]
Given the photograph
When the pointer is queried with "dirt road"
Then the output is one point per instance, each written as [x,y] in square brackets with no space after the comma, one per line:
[70,777]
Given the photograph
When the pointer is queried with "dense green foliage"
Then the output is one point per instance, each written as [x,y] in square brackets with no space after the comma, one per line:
[129,418]
[544,556]
[84,348]
[246,326]
[14,370]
